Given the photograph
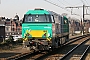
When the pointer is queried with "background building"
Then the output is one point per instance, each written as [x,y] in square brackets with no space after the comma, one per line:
[12,26]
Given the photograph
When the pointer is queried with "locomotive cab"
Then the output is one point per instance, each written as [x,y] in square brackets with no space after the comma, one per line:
[37,27]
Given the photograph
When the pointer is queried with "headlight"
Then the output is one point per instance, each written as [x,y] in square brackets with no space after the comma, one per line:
[48,34]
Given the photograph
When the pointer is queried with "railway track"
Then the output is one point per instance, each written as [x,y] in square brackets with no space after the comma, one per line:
[75,39]
[19,56]
[79,50]
[82,57]
[87,55]
[39,55]
[34,56]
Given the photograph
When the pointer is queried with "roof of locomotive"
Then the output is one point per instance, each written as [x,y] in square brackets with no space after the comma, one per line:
[40,11]
[37,11]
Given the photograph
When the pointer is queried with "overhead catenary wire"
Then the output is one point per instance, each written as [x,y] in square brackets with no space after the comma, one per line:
[71,9]
[57,5]
[87,4]
[61,7]
[61,2]
[86,1]
[71,4]
[67,2]
[83,2]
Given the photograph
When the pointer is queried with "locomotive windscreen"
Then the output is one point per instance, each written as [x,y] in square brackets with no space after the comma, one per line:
[38,18]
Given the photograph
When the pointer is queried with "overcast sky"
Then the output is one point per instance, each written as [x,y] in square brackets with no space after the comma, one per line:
[9,8]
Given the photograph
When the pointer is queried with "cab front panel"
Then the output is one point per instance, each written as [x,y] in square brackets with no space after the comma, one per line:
[37,30]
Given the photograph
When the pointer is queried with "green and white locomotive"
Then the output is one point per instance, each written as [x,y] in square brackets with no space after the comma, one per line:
[44,29]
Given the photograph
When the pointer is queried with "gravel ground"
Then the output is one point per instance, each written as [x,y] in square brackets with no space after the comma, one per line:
[12,52]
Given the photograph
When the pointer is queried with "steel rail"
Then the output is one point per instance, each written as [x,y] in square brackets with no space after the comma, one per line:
[74,49]
[21,56]
[84,53]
